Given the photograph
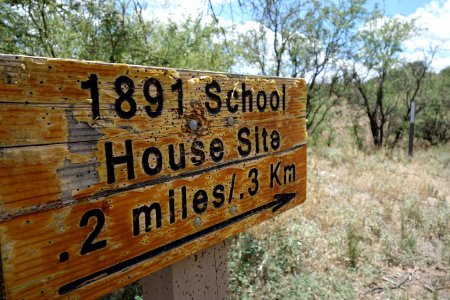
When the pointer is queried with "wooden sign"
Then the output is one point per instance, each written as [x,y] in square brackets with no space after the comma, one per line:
[109,172]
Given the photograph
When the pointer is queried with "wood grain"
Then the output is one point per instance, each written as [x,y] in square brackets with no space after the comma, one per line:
[154,189]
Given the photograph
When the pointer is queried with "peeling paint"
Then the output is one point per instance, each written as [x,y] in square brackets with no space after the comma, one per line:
[58,221]
[75,176]
[78,176]
[82,137]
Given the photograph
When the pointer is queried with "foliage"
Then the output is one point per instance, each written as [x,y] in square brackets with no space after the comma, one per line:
[303,39]
[318,49]
[372,63]
[111,31]
[352,245]
[132,291]
[433,124]
[406,83]
[271,267]
[357,133]
[190,45]
[255,262]
[37,28]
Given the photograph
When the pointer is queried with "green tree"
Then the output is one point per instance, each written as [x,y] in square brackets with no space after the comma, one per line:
[405,84]
[106,26]
[433,124]
[318,50]
[111,31]
[280,20]
[378,49]
[190,44]
[37,27]
[301,38]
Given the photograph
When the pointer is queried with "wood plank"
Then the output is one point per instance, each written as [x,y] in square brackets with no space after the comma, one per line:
[95,194]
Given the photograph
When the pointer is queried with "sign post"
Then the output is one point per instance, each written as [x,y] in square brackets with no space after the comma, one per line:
[203,275]
[110,172]
[411,128]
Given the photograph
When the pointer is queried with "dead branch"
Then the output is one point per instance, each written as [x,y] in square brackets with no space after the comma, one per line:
[406,279]
[395,285]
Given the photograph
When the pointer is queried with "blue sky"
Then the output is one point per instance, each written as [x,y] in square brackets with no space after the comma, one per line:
[401,7]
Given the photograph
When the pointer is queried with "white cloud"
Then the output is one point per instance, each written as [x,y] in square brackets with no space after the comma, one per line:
[165,10]
[434,19]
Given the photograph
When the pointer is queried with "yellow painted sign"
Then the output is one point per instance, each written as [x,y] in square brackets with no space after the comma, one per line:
[109,172]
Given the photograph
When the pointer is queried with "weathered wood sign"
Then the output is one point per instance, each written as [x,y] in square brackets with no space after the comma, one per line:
[109,172]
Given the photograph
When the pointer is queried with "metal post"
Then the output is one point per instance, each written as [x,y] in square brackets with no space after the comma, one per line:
[411,128]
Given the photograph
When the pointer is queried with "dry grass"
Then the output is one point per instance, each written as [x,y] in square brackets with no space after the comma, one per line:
[375,226]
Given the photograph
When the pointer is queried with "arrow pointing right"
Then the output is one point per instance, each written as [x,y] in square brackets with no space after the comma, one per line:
[281,200]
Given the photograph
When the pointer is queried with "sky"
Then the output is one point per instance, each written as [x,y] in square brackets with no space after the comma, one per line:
[399,7]
[431,15]
[434,18]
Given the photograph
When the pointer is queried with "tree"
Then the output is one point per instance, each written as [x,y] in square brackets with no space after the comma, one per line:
[405,85]
[191,44]
[301,38]
[279,19]
[378,49]
[112,31]
[318,51]
[106,28]
[433,123]
[37,27]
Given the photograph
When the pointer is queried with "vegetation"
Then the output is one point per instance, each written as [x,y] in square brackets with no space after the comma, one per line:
[310,40]
[434,121]
[110,31]
[370,220]
[376,223]
[377,56]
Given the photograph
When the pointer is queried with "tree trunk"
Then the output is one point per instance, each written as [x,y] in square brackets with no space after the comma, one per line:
[374,128]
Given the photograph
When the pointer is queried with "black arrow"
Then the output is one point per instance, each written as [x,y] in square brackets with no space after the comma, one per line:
[282,199]
[279,201]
